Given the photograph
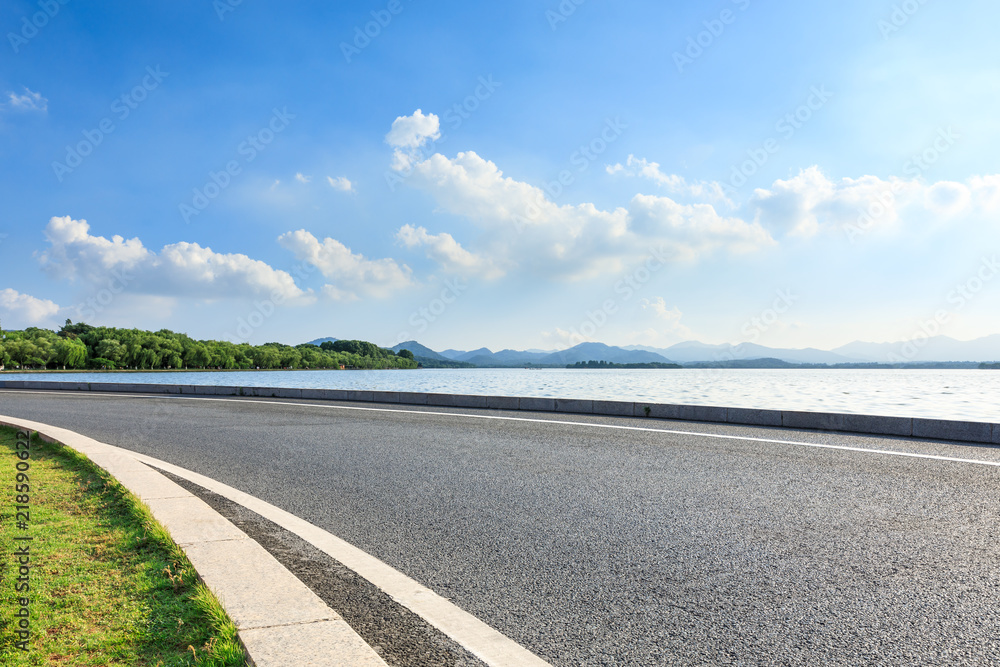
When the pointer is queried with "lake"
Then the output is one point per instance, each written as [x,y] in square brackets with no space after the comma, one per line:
[942,394]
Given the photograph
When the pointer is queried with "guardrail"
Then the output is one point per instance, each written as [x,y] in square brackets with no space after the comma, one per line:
[911,427]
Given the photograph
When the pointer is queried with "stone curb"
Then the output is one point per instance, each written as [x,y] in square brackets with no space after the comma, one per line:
[279,620]
[912,427]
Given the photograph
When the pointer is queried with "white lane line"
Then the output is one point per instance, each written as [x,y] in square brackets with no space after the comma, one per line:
[267,603]
[621,427]
[475,636]
[472,634]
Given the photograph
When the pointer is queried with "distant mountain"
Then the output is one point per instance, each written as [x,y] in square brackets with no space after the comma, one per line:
[647,348]
[483,361]
[600,352]
[484,357]
[418,350]
[320,341]
[515,357]
[694,351]
[936,348]
[468,356]
[503,358]
[743,363]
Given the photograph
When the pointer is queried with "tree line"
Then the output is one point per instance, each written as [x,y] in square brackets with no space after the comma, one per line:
[610,364]
[81,346]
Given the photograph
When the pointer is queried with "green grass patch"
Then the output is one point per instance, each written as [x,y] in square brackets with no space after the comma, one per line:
[108,585]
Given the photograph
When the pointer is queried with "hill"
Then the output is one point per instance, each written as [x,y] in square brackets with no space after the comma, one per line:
[600,352]
[320,341]
[418,350]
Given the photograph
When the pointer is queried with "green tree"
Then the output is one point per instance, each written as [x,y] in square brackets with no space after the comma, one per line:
[22,351]
[71,353]
[197,355]
[110,349]
[359,347]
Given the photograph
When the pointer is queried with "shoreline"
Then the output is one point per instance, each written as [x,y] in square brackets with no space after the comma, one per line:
[943,367]
[194,370]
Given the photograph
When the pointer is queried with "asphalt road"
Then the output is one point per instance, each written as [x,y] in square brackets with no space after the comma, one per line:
[598,546]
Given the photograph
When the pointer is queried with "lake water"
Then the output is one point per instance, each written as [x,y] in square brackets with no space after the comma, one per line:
[941,394]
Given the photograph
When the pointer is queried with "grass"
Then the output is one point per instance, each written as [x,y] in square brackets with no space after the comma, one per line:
[108,585]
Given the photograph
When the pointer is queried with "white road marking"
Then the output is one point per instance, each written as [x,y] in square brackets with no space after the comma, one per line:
[472,634]
[794,443]
[486,643]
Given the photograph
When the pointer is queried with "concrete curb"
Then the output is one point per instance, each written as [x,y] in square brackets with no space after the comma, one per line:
[279,620]
[912,427]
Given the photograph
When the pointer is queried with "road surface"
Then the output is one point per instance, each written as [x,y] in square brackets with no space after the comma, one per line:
[617,541]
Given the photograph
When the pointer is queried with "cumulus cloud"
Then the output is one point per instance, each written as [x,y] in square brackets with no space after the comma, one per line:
[179,269]
[73,253]
[340,183]
[693,230]
[668,320]
[26,308]
[408,134]
[413,131]
[353,274]
[448,253]
[803,205]
[301,178]
[672,182]
[29,101]
[948,198]
[986,192]
[811,203]
[562,339]
[520,226]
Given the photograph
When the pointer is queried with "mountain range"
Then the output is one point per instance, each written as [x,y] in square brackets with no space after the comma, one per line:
[928,350]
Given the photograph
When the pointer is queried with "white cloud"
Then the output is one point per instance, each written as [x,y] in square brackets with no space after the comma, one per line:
[408,134]
[448,253]
[301,178]
[659,307]
[803,205]
[562,339]
[413,131]
[669,325]
[191,269]
[353,274]
[521,227]
[73,253]
[340,183]
[811,203]
[948,198]
[672,182]
[179,269]
[26,308]
[29,101]
[693,230]
[986,191]
[337,294]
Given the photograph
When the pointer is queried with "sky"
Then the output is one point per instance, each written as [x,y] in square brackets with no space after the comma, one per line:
[526,175]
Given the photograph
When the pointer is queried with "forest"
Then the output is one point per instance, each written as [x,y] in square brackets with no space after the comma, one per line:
[81,346]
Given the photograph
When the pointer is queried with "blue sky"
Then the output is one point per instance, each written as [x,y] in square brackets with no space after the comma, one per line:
[524,174]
